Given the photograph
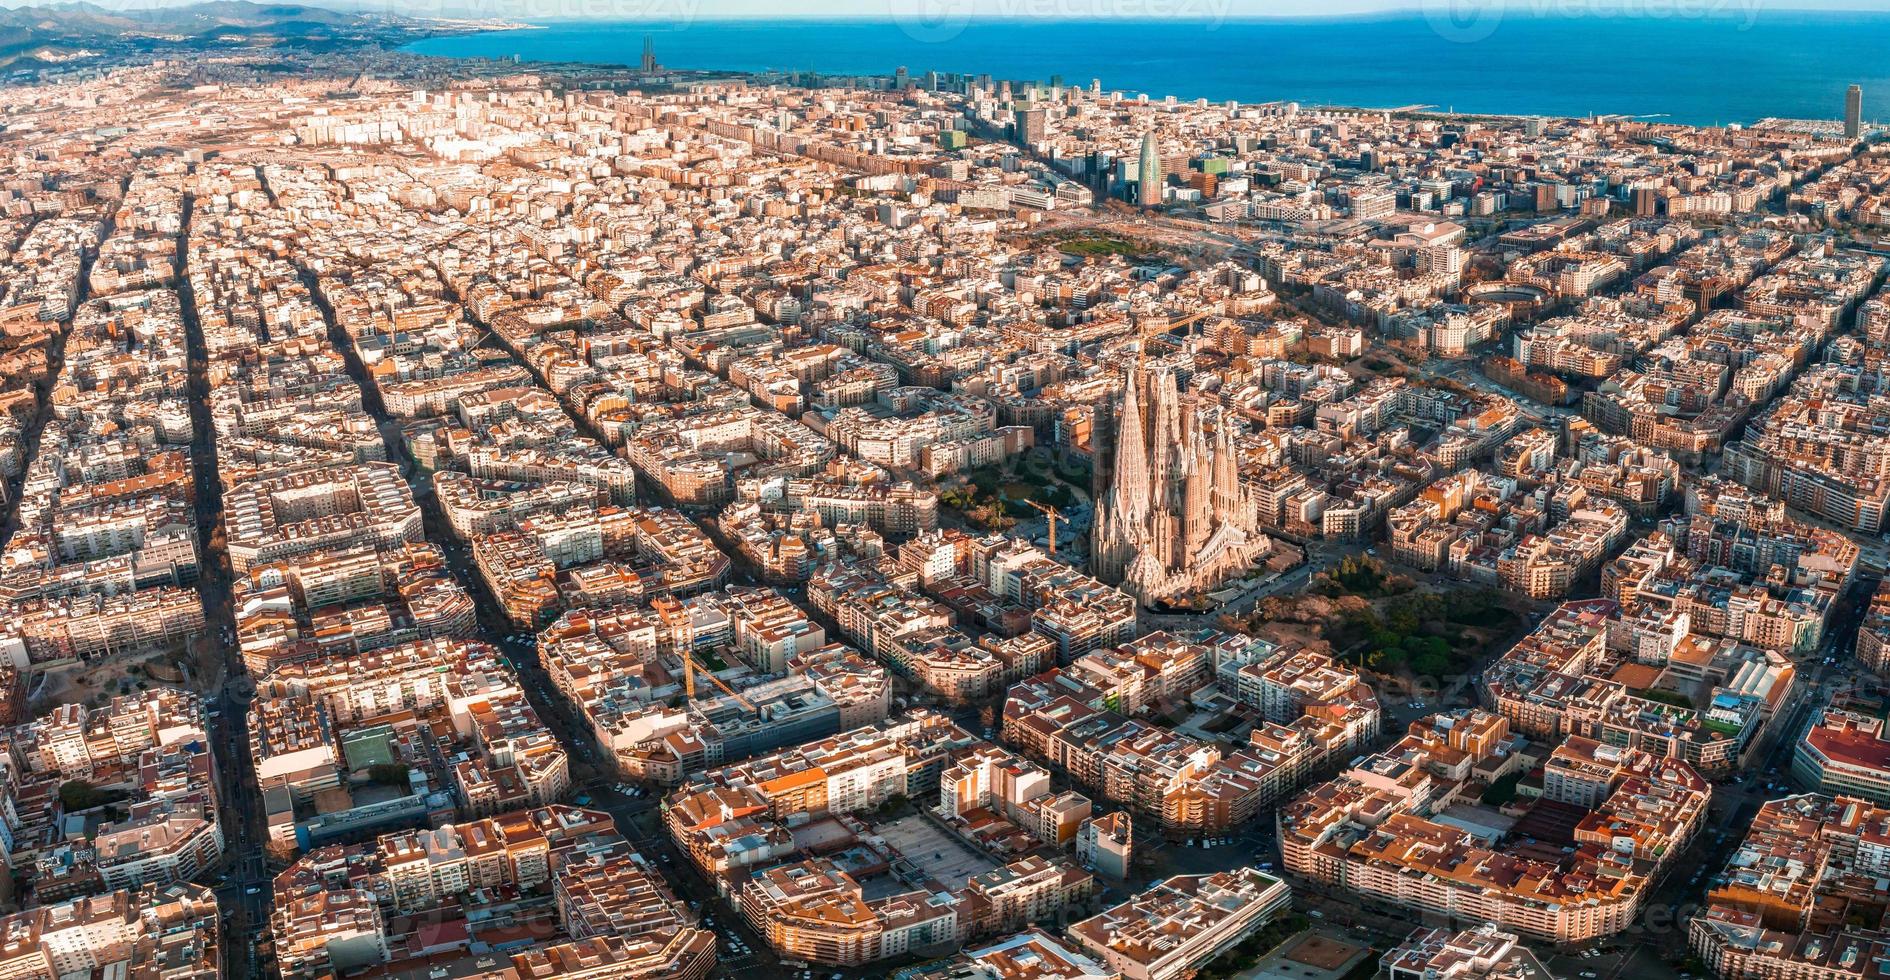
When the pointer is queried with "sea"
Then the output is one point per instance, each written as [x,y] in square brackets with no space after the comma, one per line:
[1698,62]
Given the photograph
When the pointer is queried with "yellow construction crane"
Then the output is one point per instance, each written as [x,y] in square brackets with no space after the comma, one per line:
[1051,515]
[689,682]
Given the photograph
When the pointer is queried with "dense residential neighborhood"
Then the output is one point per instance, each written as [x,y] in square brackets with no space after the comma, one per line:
[466,518]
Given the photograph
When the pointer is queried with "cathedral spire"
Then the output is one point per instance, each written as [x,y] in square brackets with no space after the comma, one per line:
[1198,514]
[1165,460]
[1227,503]
[1132,460]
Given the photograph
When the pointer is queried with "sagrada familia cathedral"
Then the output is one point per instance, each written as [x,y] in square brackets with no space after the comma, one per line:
[1174,521]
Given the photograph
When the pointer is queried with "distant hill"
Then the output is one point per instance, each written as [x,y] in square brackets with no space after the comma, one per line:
[243,16]
[30,36]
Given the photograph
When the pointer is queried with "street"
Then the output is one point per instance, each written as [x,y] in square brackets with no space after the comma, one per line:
[244,890]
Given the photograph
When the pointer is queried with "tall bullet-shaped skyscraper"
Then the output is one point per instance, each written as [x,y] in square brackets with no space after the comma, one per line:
[1854,112]
[1148,174]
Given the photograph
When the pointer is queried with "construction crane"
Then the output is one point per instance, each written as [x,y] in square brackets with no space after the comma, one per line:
[1051,515]
[689,682]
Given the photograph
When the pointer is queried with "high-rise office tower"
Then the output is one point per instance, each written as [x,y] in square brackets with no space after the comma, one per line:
[1646,201]
[1148,174]
[1032,125]
[1854,112]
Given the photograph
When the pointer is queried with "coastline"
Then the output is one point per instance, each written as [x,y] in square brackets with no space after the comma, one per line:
[1659,71]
